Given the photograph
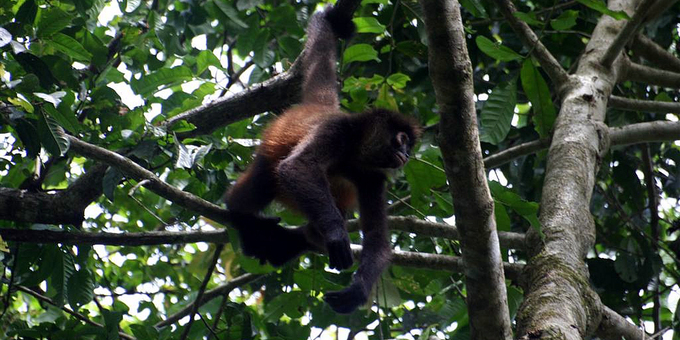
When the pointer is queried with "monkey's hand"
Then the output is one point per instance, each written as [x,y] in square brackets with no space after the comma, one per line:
[339,253]
[347,300]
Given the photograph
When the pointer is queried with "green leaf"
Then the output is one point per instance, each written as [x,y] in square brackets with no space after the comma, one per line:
[368,25]
[528,210]
[475,7]
[29,136]
[602,8]
[68,121]
[360,52]
[52,135]
[165,77]
[112,320]
[422,176]
[386,99]
[80,288]
[496,50]
[398,80]
[71,47]
[529,18]
[263,56]
[206,58]
[243,5]
[536,89]
[64,268]
[22,103]
[110,182]
[565,21]
[230,12]
[498,112]
[52,21]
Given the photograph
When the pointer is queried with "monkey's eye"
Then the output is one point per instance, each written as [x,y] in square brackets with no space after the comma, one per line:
[401,139]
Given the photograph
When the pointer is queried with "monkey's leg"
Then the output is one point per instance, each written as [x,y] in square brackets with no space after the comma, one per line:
[376,253]
[262,237]
[302,176]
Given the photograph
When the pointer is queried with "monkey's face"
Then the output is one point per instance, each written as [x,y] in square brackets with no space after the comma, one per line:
[387,149]
[387,140]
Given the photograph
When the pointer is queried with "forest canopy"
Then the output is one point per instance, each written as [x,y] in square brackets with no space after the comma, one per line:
[547,177]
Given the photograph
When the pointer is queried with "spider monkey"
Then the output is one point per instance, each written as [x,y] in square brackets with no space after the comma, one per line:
[317,159]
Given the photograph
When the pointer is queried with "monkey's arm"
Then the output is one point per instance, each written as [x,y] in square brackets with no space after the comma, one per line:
[376,253]
[303,178]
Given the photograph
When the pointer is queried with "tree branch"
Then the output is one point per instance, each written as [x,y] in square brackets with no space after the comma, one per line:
[649,75]
[63,207]
[439,262]
[616,327]
[151,181]
[208,296]
[626,33]
[75,314]
[406,224]
[516,151]
[277,93]
[626,104]
[530,40]
[451,74]
[657,131]
[654,53]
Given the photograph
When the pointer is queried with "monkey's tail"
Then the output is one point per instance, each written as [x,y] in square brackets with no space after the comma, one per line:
[319,71]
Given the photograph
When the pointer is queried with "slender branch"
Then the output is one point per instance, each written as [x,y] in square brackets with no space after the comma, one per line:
[615,327]
[653,200]
[657,9]
[654,53]
[113,239]
[75,314]
[405,224]
[626,104]
[626,33]
[208,296]
[155,184]
[509,154]
[537,12]
[530,40]
[649,75]
[438,262]
[201,291]
[657,131]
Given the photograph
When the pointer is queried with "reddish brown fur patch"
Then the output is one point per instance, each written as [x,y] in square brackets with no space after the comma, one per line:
[291,128]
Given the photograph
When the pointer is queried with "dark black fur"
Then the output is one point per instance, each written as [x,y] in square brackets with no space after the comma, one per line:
[308,158]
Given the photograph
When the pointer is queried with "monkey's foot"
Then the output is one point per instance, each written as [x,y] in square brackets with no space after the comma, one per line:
[347,300]
[265,240]
[339,253]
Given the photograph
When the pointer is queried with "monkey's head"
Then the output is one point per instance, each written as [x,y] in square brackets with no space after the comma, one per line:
[388,139]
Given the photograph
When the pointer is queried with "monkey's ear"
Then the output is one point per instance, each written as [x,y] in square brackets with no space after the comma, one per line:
[341,23]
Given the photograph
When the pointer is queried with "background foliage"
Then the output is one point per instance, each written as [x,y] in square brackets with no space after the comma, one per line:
[112,80]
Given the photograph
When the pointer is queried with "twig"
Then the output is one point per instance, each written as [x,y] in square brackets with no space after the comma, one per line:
[75,314]
[208,296]
[653,199]
[551,66]
[201,291]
